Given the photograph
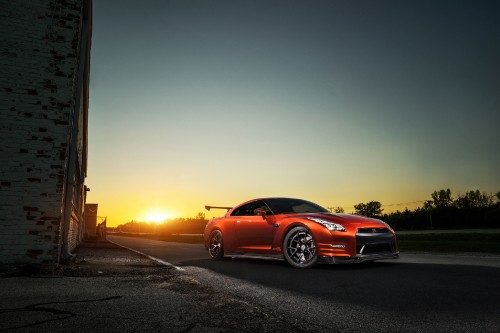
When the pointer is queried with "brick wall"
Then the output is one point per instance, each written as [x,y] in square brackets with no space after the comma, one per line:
[39,63]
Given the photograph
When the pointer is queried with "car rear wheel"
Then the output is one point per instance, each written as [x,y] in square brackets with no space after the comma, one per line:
[215,245]
[299,248]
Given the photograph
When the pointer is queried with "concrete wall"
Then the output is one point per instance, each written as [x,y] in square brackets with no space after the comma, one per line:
[41,89]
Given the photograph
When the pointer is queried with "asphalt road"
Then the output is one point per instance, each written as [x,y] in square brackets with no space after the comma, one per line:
[417,293]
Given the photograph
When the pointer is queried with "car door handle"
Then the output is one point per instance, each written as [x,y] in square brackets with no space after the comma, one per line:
[238,221]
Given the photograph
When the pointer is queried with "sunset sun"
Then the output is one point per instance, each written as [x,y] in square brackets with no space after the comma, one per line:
[157,216]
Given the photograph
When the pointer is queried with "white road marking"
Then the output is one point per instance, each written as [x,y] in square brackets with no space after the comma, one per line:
[165,263]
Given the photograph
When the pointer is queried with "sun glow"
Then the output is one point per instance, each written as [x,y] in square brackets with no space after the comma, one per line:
[157,216]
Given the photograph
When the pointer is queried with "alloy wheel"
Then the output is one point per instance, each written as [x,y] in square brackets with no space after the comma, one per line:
[215,245]
[300,248]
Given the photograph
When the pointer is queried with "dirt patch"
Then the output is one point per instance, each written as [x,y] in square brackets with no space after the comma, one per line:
[103,258]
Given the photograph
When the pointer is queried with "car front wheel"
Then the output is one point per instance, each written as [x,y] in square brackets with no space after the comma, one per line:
[299,248]
[215,245]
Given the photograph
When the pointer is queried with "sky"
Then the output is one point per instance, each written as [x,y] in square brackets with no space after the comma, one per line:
[196,103]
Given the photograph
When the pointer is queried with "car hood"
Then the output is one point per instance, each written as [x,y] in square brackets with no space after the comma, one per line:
[344,219]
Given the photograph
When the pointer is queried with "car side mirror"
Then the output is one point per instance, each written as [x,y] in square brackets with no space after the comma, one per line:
[261,212]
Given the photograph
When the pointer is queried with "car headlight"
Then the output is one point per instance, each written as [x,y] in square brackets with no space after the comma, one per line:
[327,224]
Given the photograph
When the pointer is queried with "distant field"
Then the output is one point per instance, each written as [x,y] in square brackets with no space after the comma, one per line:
[473,242]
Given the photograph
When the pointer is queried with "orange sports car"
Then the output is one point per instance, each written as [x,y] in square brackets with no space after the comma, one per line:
[303,232]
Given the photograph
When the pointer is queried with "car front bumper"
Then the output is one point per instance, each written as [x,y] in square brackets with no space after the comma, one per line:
[358,258]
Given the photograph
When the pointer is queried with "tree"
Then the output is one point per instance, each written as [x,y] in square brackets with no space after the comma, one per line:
[428,204]
[338,210]
[474,199]
[442,198]
[200,216]
[370,209]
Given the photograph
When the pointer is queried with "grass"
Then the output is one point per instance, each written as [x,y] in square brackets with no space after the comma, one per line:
[450,243]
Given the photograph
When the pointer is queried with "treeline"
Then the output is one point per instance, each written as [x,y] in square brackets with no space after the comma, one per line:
[180,225]
[473,209]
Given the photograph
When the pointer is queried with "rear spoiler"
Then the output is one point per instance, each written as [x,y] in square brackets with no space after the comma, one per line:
[216,207]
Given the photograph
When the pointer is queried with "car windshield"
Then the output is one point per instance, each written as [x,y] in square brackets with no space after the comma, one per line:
[291,206]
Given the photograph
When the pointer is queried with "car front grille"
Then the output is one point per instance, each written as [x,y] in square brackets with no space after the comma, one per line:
[374,240]
[372,230]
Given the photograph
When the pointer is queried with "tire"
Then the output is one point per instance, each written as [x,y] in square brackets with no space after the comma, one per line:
[215,245]
[299,248]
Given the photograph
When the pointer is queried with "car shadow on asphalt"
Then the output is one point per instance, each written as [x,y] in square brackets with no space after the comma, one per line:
[388,284]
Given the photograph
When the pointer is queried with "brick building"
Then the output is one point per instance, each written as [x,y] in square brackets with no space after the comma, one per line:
[44,87]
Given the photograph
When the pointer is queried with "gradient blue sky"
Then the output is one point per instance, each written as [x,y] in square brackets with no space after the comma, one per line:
[338,102]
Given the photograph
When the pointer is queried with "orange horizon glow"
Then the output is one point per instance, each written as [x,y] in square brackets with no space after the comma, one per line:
[157,216]
[119,214]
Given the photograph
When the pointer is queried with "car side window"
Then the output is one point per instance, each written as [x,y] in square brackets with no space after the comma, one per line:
[242,210]
[261,204]
[248,209]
